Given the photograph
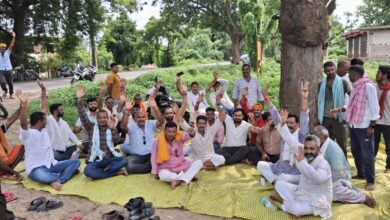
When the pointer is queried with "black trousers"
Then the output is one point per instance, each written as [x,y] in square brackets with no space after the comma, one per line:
[234,155]
[254,156]
[4,213]
[385,131]
[6,77]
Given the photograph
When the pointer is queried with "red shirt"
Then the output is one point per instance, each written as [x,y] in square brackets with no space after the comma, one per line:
[259,122]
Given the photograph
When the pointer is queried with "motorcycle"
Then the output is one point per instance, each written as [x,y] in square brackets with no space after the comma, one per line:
[3,110]
[21,74]
[64,71]
[83,73]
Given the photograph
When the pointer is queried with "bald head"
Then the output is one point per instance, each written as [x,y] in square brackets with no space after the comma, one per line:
[342,68]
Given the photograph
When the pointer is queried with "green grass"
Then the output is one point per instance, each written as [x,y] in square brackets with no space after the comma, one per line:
[203,75]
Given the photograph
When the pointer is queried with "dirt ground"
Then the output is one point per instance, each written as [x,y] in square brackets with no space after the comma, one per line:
[73,205]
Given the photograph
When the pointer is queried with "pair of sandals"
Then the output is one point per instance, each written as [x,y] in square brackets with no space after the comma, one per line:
[40,204]
[140,210]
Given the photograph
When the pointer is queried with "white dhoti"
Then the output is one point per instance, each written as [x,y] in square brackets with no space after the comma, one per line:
[266,170]
[186,176]
[290,203]
[346,193]
[217,160]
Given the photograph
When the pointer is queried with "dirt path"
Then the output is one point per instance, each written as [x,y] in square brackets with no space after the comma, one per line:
[73,205]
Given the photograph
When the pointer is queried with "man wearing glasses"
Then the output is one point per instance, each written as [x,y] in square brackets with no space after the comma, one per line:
[141,136]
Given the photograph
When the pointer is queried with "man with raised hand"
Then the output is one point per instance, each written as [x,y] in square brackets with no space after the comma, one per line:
[103,160]
[39,157]
[141,137]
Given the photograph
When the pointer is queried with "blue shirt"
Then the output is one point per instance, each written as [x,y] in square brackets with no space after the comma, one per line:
[5,61]
[136,138]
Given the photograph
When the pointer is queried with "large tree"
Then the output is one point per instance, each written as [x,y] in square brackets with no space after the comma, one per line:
[304,26]
[218,15]
[375,12]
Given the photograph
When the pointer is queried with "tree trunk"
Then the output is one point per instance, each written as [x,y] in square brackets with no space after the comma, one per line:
[93,50]
[19,26]
[236,46]
[304,27]
[300,64]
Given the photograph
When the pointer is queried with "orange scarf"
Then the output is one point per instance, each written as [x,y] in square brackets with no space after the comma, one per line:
[162,150]
[4,148]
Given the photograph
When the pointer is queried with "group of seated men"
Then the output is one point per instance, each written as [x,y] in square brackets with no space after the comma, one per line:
[308,171]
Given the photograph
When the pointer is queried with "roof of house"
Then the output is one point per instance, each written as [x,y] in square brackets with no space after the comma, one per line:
[359,31]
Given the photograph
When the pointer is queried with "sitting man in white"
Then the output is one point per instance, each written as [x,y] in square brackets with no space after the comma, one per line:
[63,140]
[39,157]
[221,88]
[291,130]
[313,195]
[343,190]
[202,147]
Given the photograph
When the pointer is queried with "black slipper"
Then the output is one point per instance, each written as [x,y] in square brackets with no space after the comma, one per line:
[50,205]
[142,214]
[134,203]
[113,215]
[36,203]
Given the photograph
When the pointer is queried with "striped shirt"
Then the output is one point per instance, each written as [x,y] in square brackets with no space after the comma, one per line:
[88,125]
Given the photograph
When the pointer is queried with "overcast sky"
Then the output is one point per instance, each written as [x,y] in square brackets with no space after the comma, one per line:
[143,16]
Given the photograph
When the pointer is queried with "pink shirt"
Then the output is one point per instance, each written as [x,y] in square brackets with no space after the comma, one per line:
[176,163]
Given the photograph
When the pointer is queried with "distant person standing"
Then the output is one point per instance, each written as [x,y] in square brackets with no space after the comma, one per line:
[113,81]
[342,71]
[253,85]
[6,68]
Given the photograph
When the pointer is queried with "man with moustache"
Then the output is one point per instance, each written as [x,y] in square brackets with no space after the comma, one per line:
[313,195]
[291,129]
[333,93]
[343,190]
[219,137]
[342,71]
[141,137]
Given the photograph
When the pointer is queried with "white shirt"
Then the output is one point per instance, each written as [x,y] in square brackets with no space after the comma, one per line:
[192,99]
[202,147]
[372,108]
[315,185]
[38,149]
[254,89]
[385,120]
[236,136]
[290,143]
[61,136]
[92,118]
[5,61]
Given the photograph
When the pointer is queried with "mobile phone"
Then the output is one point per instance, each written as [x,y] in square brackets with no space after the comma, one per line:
[179,73]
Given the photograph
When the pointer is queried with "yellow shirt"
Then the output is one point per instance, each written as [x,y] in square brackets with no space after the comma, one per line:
[115,80]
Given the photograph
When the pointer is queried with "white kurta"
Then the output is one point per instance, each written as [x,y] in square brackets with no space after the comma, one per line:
[313,194]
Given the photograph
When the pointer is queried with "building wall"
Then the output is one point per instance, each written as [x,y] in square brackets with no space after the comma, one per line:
[379,44]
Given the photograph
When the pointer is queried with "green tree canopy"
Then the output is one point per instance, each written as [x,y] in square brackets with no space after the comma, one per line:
[375,12]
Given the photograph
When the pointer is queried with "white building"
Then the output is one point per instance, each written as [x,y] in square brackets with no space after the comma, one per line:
[369,43]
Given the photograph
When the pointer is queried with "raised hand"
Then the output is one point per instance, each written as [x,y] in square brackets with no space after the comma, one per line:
[245,91]
[200,98]
[13,34]
[216,75]
[152,100]
[111,122]
[305,89]
[300,155]
[265,90]
[251,117]
[22,98]
[41,85]
[191,131]
[80,92]
[123,98]
[283,116]
[129,105]
[184,88]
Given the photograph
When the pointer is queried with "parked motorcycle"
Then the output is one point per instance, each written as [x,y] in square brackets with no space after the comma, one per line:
[3,110]
[83,73]
[64,71]
[21,74]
